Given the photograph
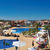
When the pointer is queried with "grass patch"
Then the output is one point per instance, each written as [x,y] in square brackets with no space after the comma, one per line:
[49,27]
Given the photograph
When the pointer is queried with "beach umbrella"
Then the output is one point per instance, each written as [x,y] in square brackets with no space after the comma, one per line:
[5,30]
[18,25]
[29,49]
[43,30]
[8,25]
[40,32]
[13,30]
[18,44]
[42,27]
[33,48]
[39,39]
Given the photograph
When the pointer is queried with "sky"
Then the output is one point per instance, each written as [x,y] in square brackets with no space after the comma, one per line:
[24,9]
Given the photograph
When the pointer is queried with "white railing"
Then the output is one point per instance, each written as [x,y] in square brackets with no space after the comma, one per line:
[48,37]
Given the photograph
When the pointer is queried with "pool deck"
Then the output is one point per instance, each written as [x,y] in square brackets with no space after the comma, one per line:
[28,40]
[25,39]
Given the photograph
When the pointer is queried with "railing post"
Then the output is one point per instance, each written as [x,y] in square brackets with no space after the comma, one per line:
[48,37]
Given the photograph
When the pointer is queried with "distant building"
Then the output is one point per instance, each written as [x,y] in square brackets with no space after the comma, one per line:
[24,23]
[45,22]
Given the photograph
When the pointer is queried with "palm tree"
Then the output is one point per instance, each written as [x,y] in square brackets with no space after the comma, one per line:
[36,25]
[4,49]
[46,27]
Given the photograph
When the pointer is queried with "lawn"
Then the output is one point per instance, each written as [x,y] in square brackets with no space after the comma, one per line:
[49,27]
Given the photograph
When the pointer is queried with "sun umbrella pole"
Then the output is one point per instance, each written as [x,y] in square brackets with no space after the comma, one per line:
[16,48]
[39,39]
[4,49]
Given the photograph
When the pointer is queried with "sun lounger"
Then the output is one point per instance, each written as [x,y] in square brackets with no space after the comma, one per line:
[29,49]
[27,35]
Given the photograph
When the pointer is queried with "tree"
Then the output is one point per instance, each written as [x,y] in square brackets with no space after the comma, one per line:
[46,27]
[37,25]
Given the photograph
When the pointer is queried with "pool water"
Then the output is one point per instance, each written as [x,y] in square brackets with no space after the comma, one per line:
[20,30]
[39,29]
[10,42]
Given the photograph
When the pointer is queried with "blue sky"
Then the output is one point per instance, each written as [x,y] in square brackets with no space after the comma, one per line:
[24,9]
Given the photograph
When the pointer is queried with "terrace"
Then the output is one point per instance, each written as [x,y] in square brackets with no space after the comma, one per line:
[22,37]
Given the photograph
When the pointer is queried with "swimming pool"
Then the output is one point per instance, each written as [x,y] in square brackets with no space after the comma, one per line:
[20,30]
[39,29]
[10,42]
